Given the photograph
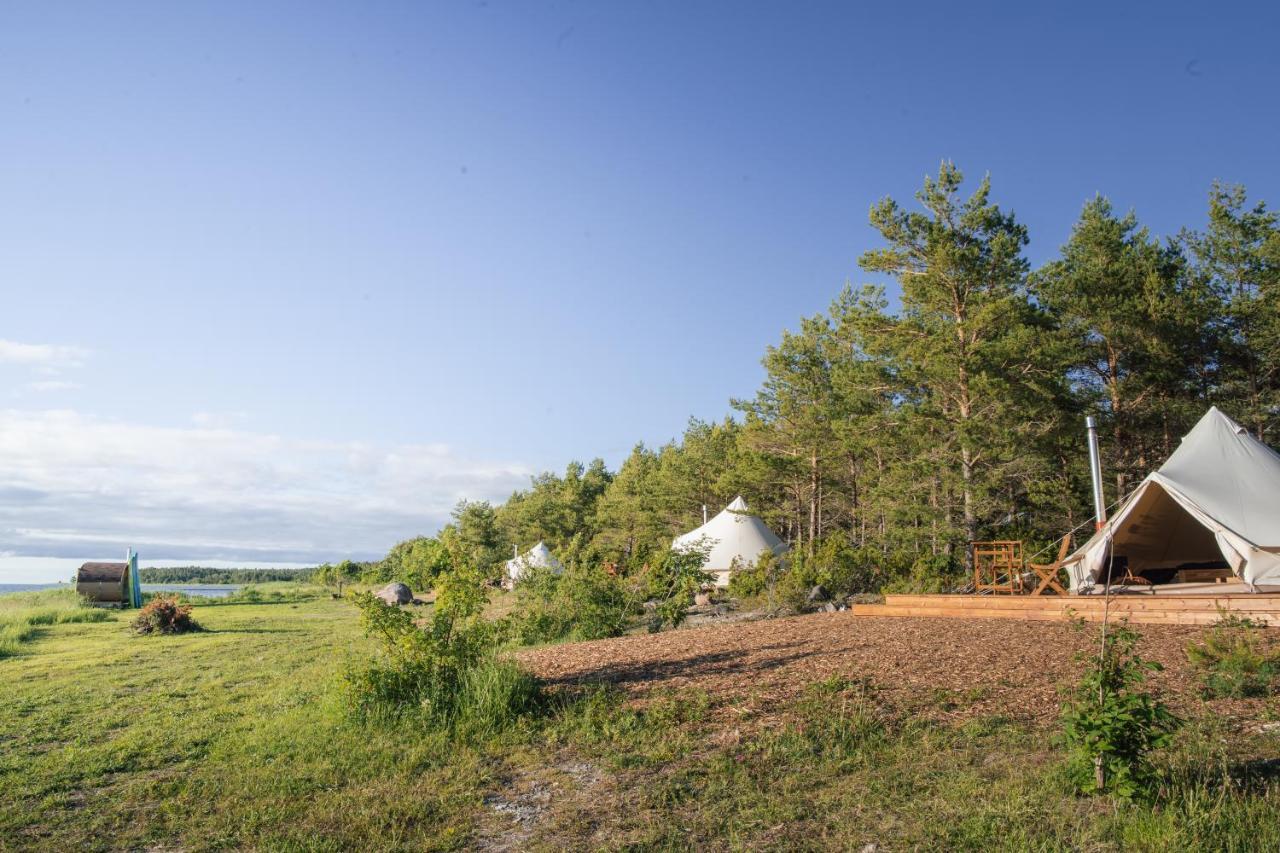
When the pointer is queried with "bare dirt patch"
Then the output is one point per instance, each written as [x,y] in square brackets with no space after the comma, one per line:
[532,798]
[949,668]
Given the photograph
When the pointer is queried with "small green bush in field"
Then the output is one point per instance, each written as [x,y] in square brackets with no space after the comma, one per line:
[444,672]
[582,602]
[673,582]
[749,582]
[930,574]
[1234,659]
[165,616]
[764,581]
[1110,726]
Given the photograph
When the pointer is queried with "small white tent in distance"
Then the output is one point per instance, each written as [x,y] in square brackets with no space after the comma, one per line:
[537,557]
[1215,500]
[734,537]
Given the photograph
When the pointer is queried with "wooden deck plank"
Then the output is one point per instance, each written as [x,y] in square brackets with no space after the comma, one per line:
[1149,610]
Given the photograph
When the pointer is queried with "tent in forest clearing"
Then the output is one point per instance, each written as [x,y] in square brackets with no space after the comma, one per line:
[1214,503]
[733,535]
[537,557]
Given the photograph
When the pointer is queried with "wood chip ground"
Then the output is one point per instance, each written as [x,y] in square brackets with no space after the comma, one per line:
[950,668]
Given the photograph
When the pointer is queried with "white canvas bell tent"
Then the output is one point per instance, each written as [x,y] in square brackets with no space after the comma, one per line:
[733,535]
[537,557]
[1216,499]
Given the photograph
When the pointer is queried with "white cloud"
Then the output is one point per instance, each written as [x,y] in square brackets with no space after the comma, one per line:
[52,385]
[41,355]
[75,485]
[218,420]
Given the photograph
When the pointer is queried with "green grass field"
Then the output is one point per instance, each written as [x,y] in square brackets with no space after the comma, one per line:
[236,738]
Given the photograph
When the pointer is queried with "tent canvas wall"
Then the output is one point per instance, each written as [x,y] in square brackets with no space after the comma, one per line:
[537,557]
[1217,498]
[734,534]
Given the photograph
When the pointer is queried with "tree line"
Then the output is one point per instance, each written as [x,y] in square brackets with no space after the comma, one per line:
[883,439]
[204,574]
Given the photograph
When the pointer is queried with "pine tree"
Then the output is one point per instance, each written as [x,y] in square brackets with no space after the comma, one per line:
[1238,257]
[968,338]
[1131,322]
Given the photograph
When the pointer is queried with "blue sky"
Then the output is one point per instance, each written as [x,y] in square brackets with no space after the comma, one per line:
[283,281]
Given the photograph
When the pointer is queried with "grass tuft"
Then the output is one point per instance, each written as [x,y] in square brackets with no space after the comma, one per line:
[22,614]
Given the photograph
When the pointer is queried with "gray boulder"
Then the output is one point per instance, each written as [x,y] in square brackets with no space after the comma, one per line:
[395,594]
[817,594]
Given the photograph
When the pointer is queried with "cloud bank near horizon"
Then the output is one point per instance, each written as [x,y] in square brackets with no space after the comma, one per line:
[76,484]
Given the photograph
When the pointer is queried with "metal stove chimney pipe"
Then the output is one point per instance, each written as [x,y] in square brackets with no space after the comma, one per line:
[1095,472]
[704,513]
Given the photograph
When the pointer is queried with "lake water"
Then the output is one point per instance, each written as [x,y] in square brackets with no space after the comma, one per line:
[221,590]
[27,587]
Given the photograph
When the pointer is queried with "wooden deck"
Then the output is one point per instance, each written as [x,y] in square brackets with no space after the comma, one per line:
[1190,609]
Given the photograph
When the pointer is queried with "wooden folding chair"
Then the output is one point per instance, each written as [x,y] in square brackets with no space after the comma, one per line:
[997,566]
[1048,572]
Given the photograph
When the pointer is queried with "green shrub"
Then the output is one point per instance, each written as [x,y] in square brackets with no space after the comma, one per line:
[496,693]
[672,583]
[928,574]
[1234,659]
[164,615]
[582,602]
[750,582]
[444,672]
[1110,726]
[540,615]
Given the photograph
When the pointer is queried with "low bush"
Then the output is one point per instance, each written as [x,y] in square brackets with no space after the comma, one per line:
[672,582]
[444,672]
[164,615]
[761,583]
[1110,726]
[751,582]
[1235,659]
[927,575]
[582,603]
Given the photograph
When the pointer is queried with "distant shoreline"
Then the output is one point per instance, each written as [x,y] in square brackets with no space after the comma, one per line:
[29,587]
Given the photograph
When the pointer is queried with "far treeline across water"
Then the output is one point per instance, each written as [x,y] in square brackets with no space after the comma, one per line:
[202,574]
[881,441]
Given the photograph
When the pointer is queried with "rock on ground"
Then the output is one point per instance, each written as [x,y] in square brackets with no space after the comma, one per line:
[395,594]
[817,594]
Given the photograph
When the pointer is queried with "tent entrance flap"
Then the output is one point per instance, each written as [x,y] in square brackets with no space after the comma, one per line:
[1159,533]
